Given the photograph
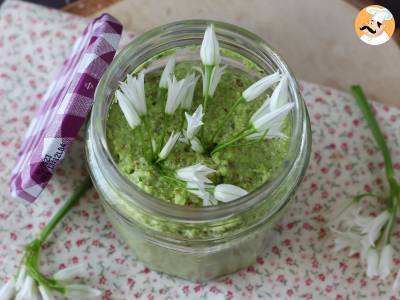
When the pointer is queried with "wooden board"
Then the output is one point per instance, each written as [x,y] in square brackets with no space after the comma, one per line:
[317,40]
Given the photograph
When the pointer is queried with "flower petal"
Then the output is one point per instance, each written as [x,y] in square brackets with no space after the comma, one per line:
[194,122]
[21,278]
[228,192]
[29,289]
[166,150]
[385,261]
[260,86]
[196,145]
[167,73]
[45,293]
[215,77]
[70,273]
[270,119]
[7,292]
[199,189]
[372,262]
[133,90]
[189,91]
[375,226]
[79,291]
[127,109]
[209,50]
[280,95]
[195,173]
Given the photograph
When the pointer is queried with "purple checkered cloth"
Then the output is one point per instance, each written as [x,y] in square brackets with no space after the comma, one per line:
[65,106]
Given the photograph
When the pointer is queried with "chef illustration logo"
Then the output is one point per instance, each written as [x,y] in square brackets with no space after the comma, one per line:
[374,25]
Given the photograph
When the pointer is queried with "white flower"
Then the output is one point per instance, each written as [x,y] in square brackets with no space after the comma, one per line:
[260,86]
[195,173]
[216,75]
[280,95]
[275,128]
[396,283]
[7,292]
[347,240]
[187,100]
[340,214]
[194,122]
[70,273]
[173,138]
[176,92]
[79,291]
[196,145]
[167,73]
[385,261]
[199,189]
[372,262]
[358,221]
[228,192]
[134,91]
[373,229]
[128,110]
[209,51]
[28,290]
[210,84]
[266,121]
[21,278]
[45,293]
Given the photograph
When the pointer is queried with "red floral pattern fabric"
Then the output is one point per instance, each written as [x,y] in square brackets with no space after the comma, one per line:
[299,262]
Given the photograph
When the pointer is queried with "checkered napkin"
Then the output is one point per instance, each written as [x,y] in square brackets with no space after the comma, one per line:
[65,106]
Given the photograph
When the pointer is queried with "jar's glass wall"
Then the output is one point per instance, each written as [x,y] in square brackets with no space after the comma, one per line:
[211,240]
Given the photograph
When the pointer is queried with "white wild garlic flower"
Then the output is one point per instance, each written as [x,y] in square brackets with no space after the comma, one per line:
[187,100]
[209,50]
[128,110]
[228,192]
[195,173]
[194,122]
[210,84]
[169,145]
[133,90]
[70,273]
[167,73]
[177,90]
[260,86]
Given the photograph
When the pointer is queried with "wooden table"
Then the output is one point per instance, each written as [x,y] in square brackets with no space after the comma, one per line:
[317,40]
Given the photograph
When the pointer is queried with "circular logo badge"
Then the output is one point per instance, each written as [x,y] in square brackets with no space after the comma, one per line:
[374,25]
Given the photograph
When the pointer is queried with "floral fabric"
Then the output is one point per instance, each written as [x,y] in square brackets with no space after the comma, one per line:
[299,262]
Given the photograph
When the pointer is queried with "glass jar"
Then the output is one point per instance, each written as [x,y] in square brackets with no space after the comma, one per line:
[194,243]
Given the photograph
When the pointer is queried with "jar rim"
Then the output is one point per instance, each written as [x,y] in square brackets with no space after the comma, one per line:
[299,141]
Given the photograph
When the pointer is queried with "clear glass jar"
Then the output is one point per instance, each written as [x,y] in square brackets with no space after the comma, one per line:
[195,243]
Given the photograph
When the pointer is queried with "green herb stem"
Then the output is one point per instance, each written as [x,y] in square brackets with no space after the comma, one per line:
[241,135]
[32,250]
[226,117]
[362,102]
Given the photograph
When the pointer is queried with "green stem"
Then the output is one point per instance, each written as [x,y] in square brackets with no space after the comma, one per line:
[239,136]
[182,114]
[85,185]
[141,134]
[162,94]
[362,102]
[149,132]
[207,74]
[227,116]
[389,227]
[32,252]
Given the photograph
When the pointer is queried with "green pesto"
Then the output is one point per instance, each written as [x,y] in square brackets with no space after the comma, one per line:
[246,166]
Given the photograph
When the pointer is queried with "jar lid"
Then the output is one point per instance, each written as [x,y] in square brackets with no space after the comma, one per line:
[64,107]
